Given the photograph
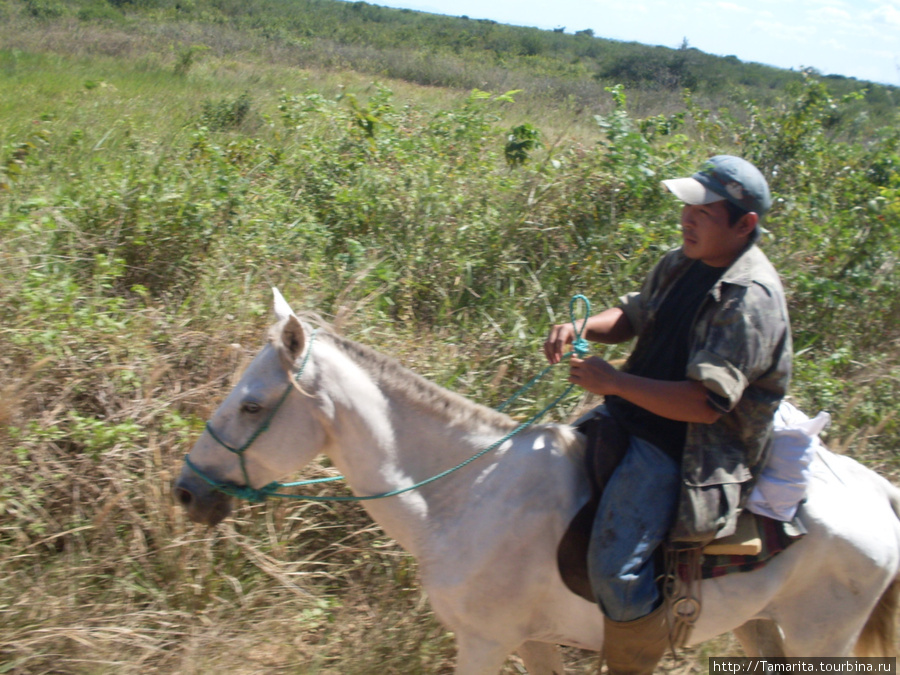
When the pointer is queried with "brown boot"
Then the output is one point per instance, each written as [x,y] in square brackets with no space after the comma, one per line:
[635,647]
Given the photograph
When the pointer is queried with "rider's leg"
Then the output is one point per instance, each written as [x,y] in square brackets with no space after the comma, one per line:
[635,514]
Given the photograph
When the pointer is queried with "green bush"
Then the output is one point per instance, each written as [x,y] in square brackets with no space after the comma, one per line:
[45,9]
[225,113]
[144,216]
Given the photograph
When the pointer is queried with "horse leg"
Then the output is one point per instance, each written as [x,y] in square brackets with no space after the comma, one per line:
[760,637]
[541,658]
[824,630]
[476,655]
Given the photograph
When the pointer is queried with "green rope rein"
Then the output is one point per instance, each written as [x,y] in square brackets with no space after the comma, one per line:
[580,346]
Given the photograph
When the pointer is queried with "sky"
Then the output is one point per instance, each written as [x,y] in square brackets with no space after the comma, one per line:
[856,38]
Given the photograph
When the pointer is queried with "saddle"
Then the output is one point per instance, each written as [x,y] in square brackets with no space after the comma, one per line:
[755,541]
[605,446]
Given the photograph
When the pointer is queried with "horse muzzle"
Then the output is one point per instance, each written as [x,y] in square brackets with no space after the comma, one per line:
[202,503]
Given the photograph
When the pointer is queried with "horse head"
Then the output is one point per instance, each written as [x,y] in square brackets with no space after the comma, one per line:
[267,427]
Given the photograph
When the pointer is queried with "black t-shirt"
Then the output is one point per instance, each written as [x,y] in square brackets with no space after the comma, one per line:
[661,353]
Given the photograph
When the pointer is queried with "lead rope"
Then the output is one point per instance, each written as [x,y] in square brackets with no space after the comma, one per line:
[580,346]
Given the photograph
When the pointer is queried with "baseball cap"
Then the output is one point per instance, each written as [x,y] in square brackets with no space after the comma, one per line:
[724,177]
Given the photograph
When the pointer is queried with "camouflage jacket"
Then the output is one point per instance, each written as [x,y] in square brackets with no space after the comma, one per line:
[740,349]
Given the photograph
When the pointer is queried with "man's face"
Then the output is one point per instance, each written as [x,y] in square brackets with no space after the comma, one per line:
[708,237]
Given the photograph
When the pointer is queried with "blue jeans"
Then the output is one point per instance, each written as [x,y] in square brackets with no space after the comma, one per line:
[635,513]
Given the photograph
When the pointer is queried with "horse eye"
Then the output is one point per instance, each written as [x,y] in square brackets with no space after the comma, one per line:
[251,407]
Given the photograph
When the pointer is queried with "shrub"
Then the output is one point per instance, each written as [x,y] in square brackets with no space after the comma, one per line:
[225,113]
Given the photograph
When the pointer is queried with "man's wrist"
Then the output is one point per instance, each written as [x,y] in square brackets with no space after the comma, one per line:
[618,383]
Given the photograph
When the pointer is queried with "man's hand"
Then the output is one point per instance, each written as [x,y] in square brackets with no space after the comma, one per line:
[610,326]
[559,338]
[595,375]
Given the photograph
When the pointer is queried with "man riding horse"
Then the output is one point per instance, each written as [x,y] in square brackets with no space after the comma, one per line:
[695,399]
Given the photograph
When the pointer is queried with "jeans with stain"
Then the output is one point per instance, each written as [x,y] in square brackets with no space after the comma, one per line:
[636,510]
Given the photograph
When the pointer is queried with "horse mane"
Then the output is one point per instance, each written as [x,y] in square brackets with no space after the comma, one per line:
[396,378]
[449,406]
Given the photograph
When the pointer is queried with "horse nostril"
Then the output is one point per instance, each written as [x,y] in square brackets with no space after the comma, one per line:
[183,496]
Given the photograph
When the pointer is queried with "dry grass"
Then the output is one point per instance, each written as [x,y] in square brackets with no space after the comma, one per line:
[99,571]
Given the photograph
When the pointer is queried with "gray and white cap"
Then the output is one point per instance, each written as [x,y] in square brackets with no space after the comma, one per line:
[724,177]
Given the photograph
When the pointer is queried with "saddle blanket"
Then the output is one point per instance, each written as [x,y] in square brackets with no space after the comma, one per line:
[774,536]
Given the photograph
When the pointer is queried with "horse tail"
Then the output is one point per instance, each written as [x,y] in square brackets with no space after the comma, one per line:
[878,636]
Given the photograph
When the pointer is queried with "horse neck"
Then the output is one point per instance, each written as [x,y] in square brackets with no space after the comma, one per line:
[392,429]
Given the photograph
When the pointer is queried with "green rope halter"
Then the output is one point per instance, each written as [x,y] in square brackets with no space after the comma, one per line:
[580,346]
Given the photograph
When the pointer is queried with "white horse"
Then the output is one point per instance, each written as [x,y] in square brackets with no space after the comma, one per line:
[486,535]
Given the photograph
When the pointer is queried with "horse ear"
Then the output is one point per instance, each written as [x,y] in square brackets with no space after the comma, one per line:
[282,308]
[292,337]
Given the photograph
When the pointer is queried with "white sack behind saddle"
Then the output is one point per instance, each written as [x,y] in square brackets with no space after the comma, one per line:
[784,480]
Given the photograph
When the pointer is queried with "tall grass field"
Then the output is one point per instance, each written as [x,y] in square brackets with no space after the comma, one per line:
[163,165]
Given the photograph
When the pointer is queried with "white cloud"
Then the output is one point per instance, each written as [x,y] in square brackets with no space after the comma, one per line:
[714,8]
[818,4]
[836,45]
[621,6]
[831,14]
[888,13]
[796,32]
[732,7]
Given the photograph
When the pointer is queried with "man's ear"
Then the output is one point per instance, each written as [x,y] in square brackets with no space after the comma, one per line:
[747,223]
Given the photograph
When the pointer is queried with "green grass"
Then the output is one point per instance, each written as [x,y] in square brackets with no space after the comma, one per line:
[142,221]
